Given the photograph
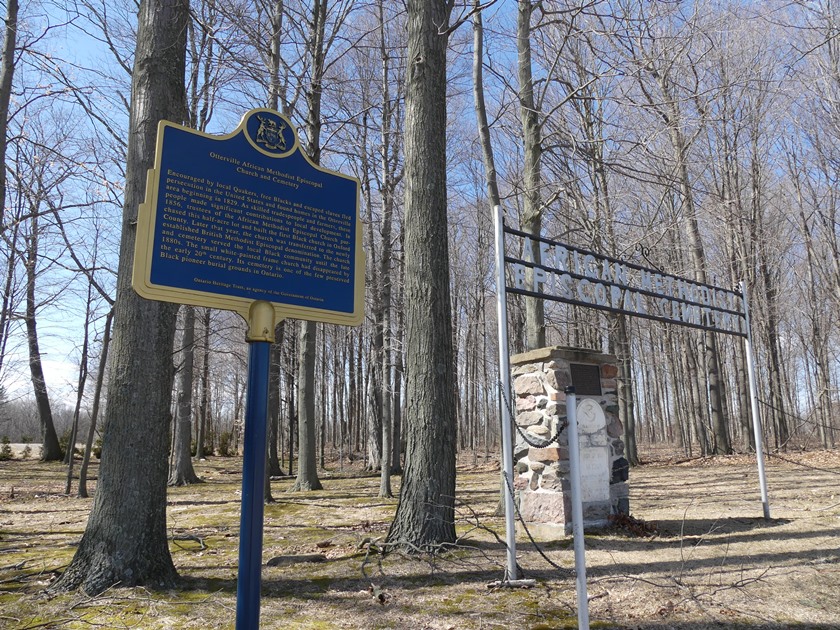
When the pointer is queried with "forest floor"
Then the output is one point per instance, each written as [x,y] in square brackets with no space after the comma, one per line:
[709,559]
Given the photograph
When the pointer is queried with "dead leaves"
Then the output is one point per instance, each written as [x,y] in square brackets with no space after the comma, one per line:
[635,526]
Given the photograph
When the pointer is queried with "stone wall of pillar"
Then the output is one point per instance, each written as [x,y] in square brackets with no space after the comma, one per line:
[540,378]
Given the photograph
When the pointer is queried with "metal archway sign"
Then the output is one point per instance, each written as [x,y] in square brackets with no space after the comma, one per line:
[572,275]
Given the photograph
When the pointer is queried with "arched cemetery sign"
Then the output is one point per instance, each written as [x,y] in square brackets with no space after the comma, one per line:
[569,274]
[551,270]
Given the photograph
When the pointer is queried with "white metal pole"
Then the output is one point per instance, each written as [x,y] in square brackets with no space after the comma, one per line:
[577,509]
[756,419]
[504,394]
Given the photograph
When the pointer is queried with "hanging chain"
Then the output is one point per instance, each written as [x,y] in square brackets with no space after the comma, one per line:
[530,537]
[532,440]
[535,442]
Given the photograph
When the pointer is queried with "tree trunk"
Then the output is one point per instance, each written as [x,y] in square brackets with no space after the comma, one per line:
[7,71]
[125,539]
[276,88]
[481,112]
[822,412]
[291,410]
[625,389]
[390,163]
[307,475]
[694,388]
[204,406]
[396,451]
[80,394]
[7,68]
[708,346]
[425,514]
[324,405]
[488,159]
[9,291]
[50,448]
[771,325]
[532,213]
[181,472]
[275,373]
[94,412]
[273,468]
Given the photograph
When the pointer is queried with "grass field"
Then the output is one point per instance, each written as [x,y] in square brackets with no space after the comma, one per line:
[712,561]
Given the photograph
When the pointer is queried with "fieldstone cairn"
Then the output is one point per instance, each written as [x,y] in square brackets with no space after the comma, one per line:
[540,378]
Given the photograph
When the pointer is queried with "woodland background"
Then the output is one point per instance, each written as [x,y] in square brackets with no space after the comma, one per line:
[701,138]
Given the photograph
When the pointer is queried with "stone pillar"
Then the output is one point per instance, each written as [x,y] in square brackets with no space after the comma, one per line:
[542,472]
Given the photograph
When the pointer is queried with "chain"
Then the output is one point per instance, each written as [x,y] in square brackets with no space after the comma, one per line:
[525,527]
[536,443]
[532,440]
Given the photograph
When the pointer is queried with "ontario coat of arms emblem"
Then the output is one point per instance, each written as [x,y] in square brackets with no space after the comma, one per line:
[270,133]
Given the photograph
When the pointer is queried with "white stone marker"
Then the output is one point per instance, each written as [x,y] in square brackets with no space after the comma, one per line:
[594,452]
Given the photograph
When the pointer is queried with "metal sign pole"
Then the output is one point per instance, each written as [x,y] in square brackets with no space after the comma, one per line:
[756,420]
[577,509]
[504,395]
[260,336]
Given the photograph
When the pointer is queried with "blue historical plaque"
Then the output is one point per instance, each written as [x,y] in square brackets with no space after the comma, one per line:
[230,220]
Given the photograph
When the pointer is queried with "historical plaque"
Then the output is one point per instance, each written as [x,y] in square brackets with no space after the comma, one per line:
[594,473]
[586,379]
[230,220]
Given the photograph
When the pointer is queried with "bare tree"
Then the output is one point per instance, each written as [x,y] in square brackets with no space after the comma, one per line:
[50,448]
[425,514]
[181,471]
[7,71]
[307,475]
[94,412]
[655,53]
[390,177]
[125,538]
[532,211]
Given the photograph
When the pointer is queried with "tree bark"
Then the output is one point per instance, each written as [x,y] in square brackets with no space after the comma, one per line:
[397,437]
[80,394]
[7,71]
[390,179]
[625,389]
[204,405]
[182,472]
[307,474]
[708,346]
[94,412]
[425,514]
[307,477]
[823,404]
[532,213]
[274,407]
[273,468]
[488,159]
[50,448]
[491,181]
[125,539]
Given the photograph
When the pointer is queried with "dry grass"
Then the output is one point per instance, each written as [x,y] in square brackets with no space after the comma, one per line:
[714,563]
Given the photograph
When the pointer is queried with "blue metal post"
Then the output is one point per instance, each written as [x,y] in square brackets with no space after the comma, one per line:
[253,485]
